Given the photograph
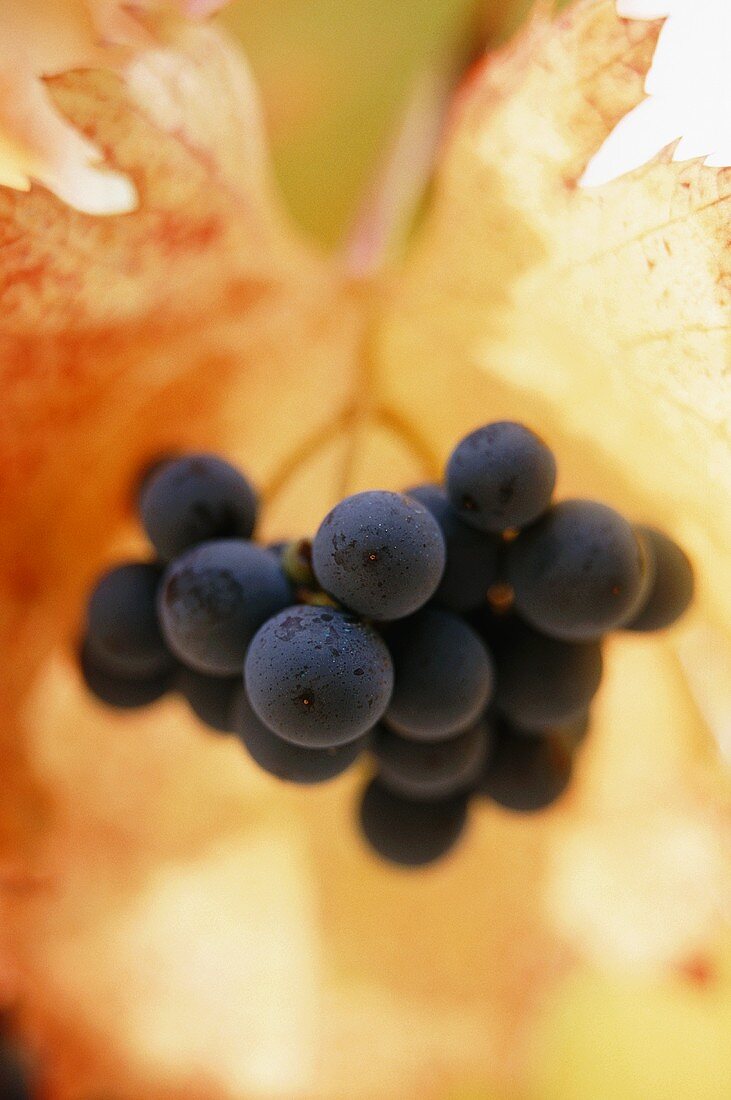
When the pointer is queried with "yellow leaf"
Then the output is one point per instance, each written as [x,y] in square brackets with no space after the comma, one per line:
[601,316]
[606,1038]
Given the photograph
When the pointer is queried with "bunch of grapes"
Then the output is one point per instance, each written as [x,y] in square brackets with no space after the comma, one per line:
[452,633]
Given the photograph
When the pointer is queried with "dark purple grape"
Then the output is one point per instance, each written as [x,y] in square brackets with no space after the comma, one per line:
[209,697]
[578,572]
[571,735]
[282,759]
[407,832]
[440,769]
[195,499]
[542,682]
[670,591]
[525,774]
[567,735]
[381,554]
[119,692]
[15,1080]
[214,598]
[472,556]
[123,633]
[443,676]
[318,677]
[278,548]
[152,467]
[493,627]
[501,476]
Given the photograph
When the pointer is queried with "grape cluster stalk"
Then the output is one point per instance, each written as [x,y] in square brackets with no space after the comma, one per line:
[452,634]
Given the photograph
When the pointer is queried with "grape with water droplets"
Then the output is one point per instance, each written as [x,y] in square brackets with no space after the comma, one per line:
[214,598]
[380,554]
[501,476]
[450,577]
[317,676]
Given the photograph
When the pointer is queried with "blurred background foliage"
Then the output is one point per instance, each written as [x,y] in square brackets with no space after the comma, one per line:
[335,77]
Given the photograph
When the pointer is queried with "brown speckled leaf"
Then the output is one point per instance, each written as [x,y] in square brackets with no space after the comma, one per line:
[40,39]
[602,315]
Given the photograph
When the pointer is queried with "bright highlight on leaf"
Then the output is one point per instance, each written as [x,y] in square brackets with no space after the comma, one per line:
[688,88]
[42,39]
[608,1037]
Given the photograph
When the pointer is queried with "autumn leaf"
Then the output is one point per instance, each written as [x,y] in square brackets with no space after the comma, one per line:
[173,921]
[602,316]
[576,304]
[41,39]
